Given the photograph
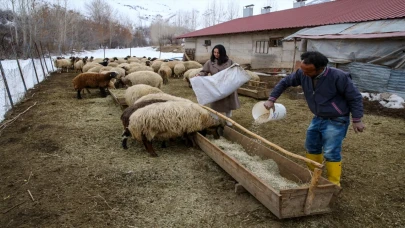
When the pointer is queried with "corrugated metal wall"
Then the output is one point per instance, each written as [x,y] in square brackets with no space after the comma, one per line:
[375,78]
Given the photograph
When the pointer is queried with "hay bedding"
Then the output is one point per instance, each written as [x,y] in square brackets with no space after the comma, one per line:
[67,153]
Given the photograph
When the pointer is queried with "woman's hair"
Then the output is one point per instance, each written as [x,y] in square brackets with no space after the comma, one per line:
[222,54]
[316,58]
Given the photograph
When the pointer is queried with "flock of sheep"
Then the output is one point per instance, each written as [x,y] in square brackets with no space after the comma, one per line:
[143,79]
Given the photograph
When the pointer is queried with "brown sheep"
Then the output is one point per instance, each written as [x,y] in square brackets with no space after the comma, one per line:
[93,80]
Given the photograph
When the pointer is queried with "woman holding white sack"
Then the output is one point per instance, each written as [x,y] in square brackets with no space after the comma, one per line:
[218,62]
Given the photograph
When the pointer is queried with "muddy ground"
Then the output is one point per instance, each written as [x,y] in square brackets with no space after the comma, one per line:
[66,153]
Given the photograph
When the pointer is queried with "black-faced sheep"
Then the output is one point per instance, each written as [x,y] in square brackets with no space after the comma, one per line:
[168,120]
[92,80]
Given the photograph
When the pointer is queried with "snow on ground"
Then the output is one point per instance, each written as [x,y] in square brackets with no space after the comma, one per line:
[15,82]
[387,100]
[138,52]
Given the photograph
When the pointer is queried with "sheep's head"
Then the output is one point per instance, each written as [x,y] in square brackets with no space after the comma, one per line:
[112,74]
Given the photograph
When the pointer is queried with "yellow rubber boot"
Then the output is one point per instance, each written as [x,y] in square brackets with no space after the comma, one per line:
[314,157]
[334,171]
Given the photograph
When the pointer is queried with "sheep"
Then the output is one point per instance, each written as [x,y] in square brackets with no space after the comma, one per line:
[165,72]
[78,66]
[160,96]
[192,65]
[189,74]
[179,69]
[171,119]
[95,69]
[113,64]
[156,65]
[135,92]
[139,68]
[143,77]
[89,65]
[128,112]
[124,65]
[92,80]
[61,64]
[120,72]
[105,68]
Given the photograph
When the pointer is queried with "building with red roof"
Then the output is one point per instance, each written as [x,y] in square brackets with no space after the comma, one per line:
[259,40]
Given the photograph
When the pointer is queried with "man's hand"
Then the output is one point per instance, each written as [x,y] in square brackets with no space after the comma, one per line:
[269,104]
[358,127]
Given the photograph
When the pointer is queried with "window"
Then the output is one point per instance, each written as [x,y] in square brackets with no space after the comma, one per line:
[276,42]
[262,47]
[207,43]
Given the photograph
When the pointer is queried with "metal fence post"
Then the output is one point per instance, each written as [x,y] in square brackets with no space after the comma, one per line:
[5,83]
[49,53]
[43,70]
[42,50]
[33,63]
[19,68]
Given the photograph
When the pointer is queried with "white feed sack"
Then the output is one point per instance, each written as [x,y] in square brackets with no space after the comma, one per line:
[267,170]
[220,85]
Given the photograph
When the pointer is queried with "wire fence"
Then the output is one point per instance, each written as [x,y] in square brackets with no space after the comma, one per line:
[20,75]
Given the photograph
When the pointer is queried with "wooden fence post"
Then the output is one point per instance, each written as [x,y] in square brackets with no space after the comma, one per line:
[19,67]
[43,70]
[5,83]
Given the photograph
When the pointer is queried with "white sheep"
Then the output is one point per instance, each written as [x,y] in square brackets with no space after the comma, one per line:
[89,65]
[143,77]
[179,69]
[135,92]
[189,74]
[156,65]
[165,72]
[192,65]
[160,96]
[61,64]
[139,68]
[167,120]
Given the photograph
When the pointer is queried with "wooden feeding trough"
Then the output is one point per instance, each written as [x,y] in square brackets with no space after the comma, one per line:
[254,89]
[118,96]
[314,197]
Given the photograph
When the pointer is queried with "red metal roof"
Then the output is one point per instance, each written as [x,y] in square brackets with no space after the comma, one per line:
[339,11]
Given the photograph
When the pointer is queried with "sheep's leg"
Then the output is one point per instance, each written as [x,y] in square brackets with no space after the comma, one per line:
[125,136]
[191,139]
[103,92]
[78,94]
[163,145]
[148,146]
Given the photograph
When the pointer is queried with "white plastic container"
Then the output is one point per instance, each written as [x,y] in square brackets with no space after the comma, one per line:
[262,115]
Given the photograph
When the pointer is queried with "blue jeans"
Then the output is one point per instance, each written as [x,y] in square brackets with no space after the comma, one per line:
[327,135]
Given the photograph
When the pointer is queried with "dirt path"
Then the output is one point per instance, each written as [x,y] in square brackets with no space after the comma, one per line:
[67,153]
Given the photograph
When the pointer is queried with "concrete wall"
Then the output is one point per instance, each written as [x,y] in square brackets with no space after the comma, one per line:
[241,48]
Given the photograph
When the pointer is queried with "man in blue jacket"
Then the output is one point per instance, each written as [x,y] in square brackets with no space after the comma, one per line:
[331,97]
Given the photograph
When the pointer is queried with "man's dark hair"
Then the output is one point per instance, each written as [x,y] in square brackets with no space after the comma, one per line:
[222,54]
[316,58]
